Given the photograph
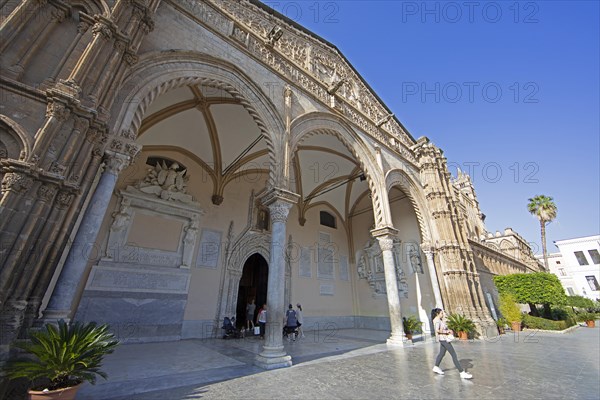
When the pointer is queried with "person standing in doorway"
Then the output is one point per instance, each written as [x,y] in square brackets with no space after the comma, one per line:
[262,320]
[300,319]
[445,336]
[250,308]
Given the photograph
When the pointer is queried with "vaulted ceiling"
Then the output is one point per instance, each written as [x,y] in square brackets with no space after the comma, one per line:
[217,132]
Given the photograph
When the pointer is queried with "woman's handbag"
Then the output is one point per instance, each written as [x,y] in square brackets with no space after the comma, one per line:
[449,338]
[257,330]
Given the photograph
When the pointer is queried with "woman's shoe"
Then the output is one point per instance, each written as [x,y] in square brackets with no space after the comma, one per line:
[465,375]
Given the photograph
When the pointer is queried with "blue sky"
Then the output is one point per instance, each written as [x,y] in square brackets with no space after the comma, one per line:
[509,91]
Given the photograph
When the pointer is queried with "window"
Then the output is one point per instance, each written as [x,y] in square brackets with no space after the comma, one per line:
[570,291]
[558,262]
[562,272]
[595,256]
[593,282]
[327,219]
[581,258]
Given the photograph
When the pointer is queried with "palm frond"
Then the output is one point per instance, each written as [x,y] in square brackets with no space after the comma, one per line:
[64,354]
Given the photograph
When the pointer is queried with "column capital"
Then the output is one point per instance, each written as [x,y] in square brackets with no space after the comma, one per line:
[279,211]
[386,243]
[114,163]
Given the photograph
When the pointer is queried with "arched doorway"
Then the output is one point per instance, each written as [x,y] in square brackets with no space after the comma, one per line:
[253,285]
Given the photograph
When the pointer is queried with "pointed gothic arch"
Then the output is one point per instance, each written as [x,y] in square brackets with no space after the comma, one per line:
[316,123]
[157,73]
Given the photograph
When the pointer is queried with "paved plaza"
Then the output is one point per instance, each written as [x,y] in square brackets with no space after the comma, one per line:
[357,364]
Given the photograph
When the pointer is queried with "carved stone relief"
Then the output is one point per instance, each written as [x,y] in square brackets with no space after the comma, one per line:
[133,201]
[370,267]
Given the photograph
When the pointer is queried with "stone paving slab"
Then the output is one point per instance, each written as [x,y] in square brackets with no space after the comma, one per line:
[527,366]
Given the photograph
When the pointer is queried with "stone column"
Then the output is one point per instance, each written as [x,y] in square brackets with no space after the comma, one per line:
[386,243]
[61,302]
[433,276]
[273,354]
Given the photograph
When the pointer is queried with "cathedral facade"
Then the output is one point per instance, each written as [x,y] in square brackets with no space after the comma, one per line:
[165,162]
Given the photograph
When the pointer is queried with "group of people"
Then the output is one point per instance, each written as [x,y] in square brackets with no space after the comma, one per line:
[293,319]
[293,327]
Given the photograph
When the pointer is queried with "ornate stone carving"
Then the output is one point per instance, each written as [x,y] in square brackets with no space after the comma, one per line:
[415,260]
[239,34]
[119,45]
[130,58]
[58,15]
[279,211]
[370,265]
[307,61]
[114,164]
[189,241]
[386,244]
[121,218]
[57,168]
[57,110]
[166,182]
[133,149]
[116,145]
[16,182]
[101,28]
[64,199]
[134,202]
[46,191]
[128,134]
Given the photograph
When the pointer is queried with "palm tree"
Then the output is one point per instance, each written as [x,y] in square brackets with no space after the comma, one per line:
[544,209]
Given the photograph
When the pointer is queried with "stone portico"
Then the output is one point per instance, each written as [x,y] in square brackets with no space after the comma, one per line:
[154,152]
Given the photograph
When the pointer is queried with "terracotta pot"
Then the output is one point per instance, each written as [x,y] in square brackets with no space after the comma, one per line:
[590,323]
[58,394]
[409,336]
[501,331]
[516,326]
[463,335]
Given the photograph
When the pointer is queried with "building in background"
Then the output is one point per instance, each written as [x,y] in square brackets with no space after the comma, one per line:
[577,265]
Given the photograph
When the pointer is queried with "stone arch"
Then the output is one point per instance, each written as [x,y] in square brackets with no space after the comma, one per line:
[409,186]
[157,73]
[18,134]
[247,245]
[327,124]
[93,7]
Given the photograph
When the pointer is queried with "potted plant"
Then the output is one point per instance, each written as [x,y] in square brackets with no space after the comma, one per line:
[511,311]
[63,358]
[589,319]
[461,324]
[411,325]
[501,324]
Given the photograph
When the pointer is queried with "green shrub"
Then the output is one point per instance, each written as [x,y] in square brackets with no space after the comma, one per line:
[564,314]
[509,308]
[580,302]
[532,322]
[586,316]
[411,325]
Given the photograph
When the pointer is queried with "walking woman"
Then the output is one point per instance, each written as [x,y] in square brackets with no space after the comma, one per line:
[300,319]
[444,336]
